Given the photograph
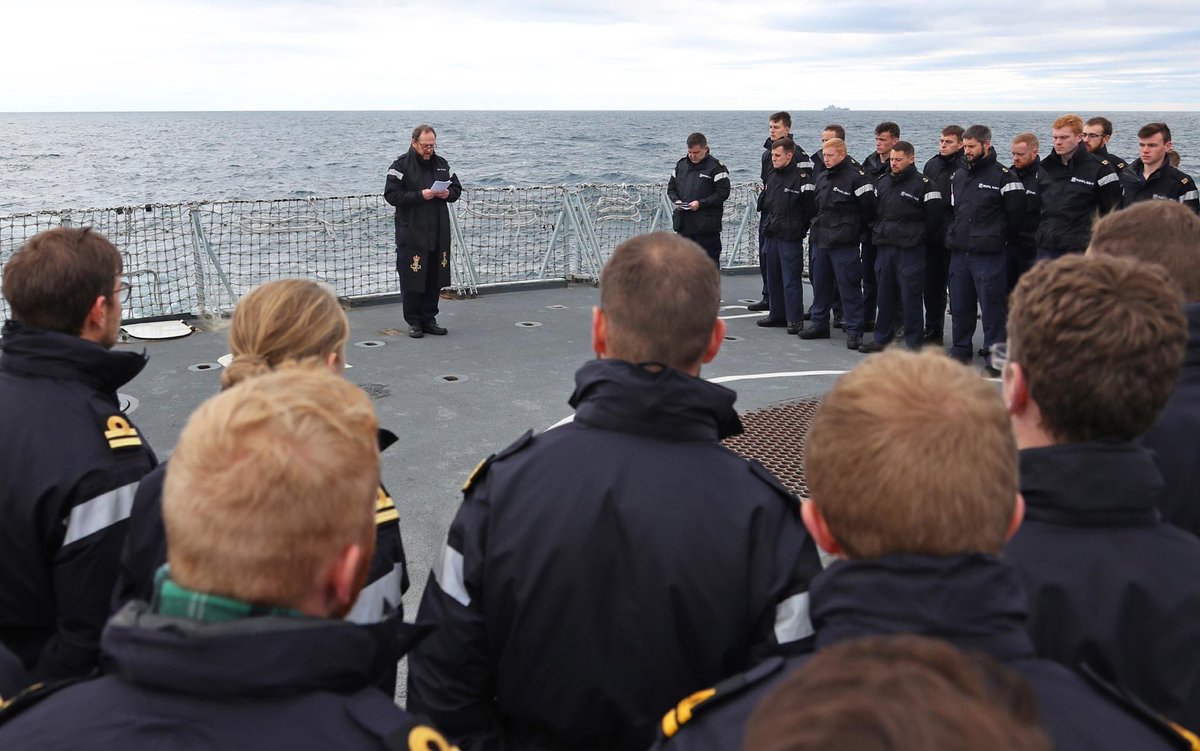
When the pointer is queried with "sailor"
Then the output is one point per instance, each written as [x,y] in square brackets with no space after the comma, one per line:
[780,126]
[1074,186]
[845,209]
[938,169]
[787,202]
[1151,177]
[919,552]
[1097,132]
[698,190]
[70,458]
[908,211]
[269,507]
[599,570]
[420,184]
[1094,351]
[989,205]
[877,165]
[1021,250]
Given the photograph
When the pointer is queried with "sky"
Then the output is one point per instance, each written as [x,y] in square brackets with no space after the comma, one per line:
[127,55]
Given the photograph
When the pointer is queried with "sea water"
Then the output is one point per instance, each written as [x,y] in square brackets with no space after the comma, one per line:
[77,160]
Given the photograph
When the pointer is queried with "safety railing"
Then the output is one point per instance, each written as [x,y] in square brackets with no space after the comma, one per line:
[198,259]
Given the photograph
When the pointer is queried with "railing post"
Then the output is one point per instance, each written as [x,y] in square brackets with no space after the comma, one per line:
[558,222]
[456,231]
[200,245]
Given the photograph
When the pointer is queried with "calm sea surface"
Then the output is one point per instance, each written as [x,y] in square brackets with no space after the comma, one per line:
[62,160]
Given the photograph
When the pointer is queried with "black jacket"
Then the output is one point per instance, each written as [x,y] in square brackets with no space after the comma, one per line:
[13,677]
[845,205]
[975,602]
[989,205]
[1117,162]
[601,569]
[1175,438]
[1166,184]
[707,182]
[908,209]
[262,682]
[877,166]
[800,158]
[1072,195]
[70,462]
[146,550]
[788,202]
[422,227]
[939,169]
[1026,236]
[1109,584]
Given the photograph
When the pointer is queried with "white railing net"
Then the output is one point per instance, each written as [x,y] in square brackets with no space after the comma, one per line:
[198,259]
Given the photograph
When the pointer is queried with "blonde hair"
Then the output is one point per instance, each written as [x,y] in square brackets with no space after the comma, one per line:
[1074,122]
[270,480]
[913,453]
[285,320]
[835,143]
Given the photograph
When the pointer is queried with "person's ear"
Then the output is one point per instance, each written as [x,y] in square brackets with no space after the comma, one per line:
[1014,387]
[715,340]
[1018,516]
[599,332]
[345,580]
[819,528]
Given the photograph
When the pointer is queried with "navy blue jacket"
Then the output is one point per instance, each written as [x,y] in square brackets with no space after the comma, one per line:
[877,167]
[1026,235]
[262,682]
[1166,184]
[1072,196]
[1109,584]
[1175,438]
[845,205]
[975,602]
[989,205]
[422,227]
[1117,162]
[800,158]
[939,169]
[13,677]
[600,570]
[908,209]
[70,462]
[788,203]
[707,182]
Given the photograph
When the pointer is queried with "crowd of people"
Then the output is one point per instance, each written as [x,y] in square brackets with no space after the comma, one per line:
[1013,568]
[886,241]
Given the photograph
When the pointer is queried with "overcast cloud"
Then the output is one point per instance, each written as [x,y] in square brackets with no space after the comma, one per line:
[622,54]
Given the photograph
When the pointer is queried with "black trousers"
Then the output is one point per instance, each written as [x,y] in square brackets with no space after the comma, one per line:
[421,306]
[711,242]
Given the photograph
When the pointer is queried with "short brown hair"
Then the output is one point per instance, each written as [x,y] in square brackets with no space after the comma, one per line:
[660,294]
[697,139]
[1104,123]
[270,479]
[1101,341]
[53,280]
[422,129]
[1074,122]
[867,459]
[953,130]
[898,692]
[1149,130]
[786,143]
[980,133]
[840,130]
[905,148]
[888,127]
[1162,232]
[1028,139]
[781,117]
[286,320]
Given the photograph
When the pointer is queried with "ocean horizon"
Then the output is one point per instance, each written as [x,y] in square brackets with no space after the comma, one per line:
[60,160]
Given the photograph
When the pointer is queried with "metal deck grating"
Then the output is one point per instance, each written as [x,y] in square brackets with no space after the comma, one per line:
[775,437]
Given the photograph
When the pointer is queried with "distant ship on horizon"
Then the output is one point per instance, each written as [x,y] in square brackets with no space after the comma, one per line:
[835,108]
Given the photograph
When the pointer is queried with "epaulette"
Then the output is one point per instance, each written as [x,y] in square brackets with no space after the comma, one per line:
[704,701]
[924,179]
[398,731]
[31,695]
[862,172]
[765,475]
[1104,161]
[481,468]
[1184,181]
[1004,169]
[1177,736]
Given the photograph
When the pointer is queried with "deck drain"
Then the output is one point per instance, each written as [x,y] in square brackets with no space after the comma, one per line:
[200,367]
[732,338]
[451,378]
[370,343]
[528,324]
[376,390]
[556,307]
[127,403]
[747,300]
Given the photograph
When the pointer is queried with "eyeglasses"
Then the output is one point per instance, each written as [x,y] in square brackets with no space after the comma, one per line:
[1093,136]
[122,289]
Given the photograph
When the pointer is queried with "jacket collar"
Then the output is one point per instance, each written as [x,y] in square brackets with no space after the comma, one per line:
[1030,170]
[974,601]
[1094,483]
[28,350]
[987,161]
[262,656]
[662,403]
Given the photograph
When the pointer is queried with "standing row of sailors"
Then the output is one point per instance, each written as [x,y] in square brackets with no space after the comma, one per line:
[885,241]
